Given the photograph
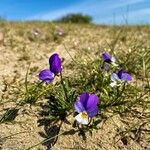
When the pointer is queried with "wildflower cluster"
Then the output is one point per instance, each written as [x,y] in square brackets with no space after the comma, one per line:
[86,106]
[48,75]
[116,77]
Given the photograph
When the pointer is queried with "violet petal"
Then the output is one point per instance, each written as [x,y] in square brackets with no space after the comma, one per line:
[126,77]
[106,57]
[91,102]
[84,98]
[92,111]
[78,106]
[120,73]
[46,75]
[55,64]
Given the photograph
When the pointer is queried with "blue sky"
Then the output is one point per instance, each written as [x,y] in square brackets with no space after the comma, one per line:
[102,11]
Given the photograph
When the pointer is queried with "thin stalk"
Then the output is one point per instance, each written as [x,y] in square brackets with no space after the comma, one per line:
[69,54]
[64,87]
[43,92]
[44,141]
[13,135]
[26,80]
[119,94]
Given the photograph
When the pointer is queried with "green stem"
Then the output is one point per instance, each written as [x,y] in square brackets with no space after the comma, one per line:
[44,141]
[64,87]
[119,94]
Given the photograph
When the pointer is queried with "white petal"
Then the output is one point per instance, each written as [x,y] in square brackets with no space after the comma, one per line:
[114,77]
[82,120]
[113,84]
[113,59]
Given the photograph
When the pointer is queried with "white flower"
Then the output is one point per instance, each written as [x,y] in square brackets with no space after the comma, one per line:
[83,118]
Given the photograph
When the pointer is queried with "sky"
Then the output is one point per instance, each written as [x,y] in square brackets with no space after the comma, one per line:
[102,11]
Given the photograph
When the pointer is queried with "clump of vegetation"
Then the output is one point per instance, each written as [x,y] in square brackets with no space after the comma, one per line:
[75,18]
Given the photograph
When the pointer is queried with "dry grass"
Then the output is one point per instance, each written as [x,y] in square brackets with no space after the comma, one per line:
[21,50]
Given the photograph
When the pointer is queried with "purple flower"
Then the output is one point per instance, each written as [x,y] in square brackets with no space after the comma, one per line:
[59,31]
[55,64]
[36,32]
[121,76]
[107,58]
[87,107]
[47,75]
[124,76]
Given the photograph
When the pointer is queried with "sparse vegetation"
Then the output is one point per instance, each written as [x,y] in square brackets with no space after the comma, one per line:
[38,115]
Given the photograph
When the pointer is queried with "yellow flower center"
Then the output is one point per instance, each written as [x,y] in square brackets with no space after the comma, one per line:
[84,115]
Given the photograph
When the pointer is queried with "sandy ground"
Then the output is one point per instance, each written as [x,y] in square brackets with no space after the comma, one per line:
[17,53]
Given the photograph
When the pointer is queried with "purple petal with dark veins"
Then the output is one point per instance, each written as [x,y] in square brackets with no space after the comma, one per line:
[55,64]
[88,102]
[78,106]
[46,75]
[91,102]
[92,111]
[84,98]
